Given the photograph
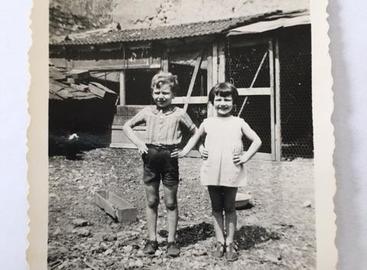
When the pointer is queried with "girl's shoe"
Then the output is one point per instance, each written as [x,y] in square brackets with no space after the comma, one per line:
[150,247]
[219,249]
[232,252]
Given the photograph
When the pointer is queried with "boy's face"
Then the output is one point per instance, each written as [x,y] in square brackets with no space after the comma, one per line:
[223,105]
[163,96]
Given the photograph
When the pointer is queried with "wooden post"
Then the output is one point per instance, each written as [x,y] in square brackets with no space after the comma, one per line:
[209,79]
[165,62]
[122,88]
[215,64]
[278,130]
[272,118]
[222,62]
[209,69]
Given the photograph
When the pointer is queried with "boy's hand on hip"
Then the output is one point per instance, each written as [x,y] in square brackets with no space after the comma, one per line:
[175,153]
[142,148]
[239,159]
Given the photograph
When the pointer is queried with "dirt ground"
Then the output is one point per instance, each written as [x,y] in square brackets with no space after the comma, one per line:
[277,232]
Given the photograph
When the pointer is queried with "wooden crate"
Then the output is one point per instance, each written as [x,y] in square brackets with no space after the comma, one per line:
[115,206]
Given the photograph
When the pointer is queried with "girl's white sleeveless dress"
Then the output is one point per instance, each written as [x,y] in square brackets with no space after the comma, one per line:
[223,139]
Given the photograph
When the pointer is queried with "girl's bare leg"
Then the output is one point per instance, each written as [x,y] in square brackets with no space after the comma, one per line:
[170,199]
[216,198]
[230,213]
[152,194]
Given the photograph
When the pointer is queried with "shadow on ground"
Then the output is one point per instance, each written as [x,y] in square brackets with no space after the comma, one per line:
[192,234]
[246,237]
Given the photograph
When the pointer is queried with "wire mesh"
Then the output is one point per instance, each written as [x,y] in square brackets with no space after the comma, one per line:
[296,98]
[295,90]
[241,66]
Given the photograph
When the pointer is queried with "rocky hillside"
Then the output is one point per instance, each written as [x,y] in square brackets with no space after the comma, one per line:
[70,16]
[157,12]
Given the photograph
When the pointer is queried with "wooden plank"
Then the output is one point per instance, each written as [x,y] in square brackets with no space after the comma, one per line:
[100,199]
[209,71]
[125,212]
[80,86]
[165,62]
[122,90]
[256,91]
[113,64]
[59,62]
[278,131]
[209,79]
[215,64]
[248,42]
[272,112]
[115,206]
[96,90]
[193,78]
[222,62]
[262,156]
[191,100]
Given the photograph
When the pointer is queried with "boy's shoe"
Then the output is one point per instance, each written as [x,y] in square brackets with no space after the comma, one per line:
[150,247]
[173,250]
[231,252]
[219,250]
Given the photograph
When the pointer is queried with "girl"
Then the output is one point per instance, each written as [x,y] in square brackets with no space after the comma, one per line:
[159,149]
[223,169]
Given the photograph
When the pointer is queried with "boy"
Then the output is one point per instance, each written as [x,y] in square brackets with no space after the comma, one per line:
[159,151]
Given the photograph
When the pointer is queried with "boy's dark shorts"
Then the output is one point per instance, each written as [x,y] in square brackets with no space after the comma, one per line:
[158,164]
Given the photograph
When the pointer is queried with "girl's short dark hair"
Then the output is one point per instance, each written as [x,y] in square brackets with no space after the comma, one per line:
[164,78]
[223,89]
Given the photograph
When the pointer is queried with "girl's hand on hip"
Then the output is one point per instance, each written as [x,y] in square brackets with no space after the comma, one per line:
[239,159]
[203,152]
[142,148]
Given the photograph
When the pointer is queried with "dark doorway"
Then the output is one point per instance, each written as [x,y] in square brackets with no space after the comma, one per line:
[137,83]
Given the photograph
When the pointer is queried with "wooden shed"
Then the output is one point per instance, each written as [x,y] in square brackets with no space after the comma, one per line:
[266,56]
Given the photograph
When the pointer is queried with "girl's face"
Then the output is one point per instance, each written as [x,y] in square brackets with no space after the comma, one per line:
[163,96]
[223,105]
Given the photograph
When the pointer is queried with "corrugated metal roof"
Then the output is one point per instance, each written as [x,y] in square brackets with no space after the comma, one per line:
[169,31]
[268,25]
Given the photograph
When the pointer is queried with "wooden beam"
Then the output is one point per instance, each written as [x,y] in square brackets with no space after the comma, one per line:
[115,206]
[209,69]
[222,62]
[278,130]
[114,64]
[165,62]
[215,64]
[191,100]
[209,109]
[256,91]
[100,199]
[247,42]
[193,78]
[122,88]
[272,119]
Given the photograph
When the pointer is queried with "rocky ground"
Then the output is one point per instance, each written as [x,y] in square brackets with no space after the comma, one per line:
[277,232]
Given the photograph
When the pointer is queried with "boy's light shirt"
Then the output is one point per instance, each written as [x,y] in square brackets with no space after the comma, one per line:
[163,127]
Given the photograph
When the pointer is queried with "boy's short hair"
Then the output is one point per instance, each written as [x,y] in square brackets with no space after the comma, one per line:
[223,89]
[164,78]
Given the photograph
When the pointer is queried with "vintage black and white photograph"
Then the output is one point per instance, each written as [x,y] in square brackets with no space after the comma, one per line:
[181,135]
